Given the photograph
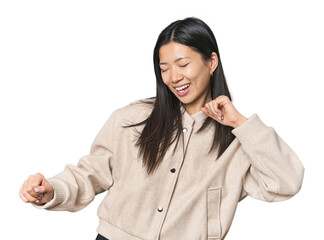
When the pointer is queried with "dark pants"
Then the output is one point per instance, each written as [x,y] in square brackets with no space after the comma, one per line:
[99,237]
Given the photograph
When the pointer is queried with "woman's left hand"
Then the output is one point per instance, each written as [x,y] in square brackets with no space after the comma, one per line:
[223,111]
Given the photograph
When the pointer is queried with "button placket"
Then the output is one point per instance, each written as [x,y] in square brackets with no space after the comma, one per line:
[187,129]
[179,156]
[186,136]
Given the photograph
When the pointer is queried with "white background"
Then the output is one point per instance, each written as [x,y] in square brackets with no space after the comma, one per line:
[66,65]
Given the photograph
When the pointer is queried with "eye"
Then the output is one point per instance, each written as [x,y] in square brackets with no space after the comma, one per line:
[184,65]
[164,70]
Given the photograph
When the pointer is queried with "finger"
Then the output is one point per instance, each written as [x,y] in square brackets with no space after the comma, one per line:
[35,187]
[44,187]
[30,190]
[46,191]
[207,112]
[25,193]
[213,112]
[48,187]
[204,110]
[41,201]
[214,106]
[37,180]
[222,98]
[47,196]
[45,199]
[29,197]
[221,102]
[21,193]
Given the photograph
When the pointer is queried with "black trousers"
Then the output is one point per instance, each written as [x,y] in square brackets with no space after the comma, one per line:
[99,237]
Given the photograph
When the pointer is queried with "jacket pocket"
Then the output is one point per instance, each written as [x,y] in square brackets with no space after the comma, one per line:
[213,212]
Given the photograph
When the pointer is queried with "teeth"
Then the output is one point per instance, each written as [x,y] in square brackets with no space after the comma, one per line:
[182,87]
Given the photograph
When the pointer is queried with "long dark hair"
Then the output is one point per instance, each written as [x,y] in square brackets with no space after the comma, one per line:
[163,126]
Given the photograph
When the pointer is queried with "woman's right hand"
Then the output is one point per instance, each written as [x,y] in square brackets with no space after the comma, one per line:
[36,190]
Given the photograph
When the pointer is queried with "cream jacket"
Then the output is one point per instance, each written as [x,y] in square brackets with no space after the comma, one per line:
[190,196]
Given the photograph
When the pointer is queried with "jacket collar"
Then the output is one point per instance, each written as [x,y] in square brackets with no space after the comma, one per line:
[197,118]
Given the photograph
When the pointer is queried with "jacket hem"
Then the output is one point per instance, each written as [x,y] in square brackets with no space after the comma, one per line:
[111,232]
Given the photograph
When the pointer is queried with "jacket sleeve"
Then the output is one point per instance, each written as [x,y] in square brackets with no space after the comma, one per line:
[76,186]
[271,171]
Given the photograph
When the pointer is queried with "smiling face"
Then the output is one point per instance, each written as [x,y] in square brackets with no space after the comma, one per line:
[186,74]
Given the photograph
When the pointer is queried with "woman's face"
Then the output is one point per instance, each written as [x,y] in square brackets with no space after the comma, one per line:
[186,74]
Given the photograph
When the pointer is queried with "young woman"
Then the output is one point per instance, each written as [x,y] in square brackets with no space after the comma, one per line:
[175,165]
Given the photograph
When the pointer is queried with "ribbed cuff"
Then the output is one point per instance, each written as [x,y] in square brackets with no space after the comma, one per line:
[250,129]
[59,195]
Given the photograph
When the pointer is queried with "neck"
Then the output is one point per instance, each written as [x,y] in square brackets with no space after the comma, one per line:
[196,106]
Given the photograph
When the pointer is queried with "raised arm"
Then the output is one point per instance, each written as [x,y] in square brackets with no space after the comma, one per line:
[76,186]
[271,171]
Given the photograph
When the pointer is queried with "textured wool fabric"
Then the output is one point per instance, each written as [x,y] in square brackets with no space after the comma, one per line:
[191,195]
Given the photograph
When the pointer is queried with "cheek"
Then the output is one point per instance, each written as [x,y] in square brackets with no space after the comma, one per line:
[199,77]
[195,73]
[165,79]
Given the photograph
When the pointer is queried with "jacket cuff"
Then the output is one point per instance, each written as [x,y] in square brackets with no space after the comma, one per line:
[59,195]
[250,129]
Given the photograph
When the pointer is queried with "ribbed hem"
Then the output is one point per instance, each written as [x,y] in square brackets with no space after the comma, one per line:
[111,232]
[250,129]
[59,195]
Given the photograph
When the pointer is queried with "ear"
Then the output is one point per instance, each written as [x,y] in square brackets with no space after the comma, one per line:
[213,62]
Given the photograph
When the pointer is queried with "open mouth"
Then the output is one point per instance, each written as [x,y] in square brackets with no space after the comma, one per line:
[183,90]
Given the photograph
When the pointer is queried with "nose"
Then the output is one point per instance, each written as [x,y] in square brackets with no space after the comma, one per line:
[176,76]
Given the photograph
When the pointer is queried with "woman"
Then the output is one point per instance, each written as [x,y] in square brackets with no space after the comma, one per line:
[176,165]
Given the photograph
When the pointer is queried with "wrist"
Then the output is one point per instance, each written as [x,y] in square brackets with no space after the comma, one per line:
[240,121]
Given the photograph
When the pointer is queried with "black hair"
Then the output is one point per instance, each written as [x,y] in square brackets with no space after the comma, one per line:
[163,126]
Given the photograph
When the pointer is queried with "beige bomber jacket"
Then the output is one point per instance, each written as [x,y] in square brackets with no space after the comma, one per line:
[190,196]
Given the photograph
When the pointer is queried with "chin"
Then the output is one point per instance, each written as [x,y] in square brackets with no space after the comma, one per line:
[184,101]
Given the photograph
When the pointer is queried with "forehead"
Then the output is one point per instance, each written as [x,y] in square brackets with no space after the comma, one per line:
[172,50]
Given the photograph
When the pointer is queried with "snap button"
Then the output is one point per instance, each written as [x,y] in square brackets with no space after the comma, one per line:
[160,209]
[184,130]
[173,170]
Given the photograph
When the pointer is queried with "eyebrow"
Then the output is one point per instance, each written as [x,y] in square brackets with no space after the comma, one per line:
[178,59]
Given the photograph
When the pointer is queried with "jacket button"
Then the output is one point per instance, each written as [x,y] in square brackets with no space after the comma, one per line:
[184,130]
[160,209]
[173,170]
